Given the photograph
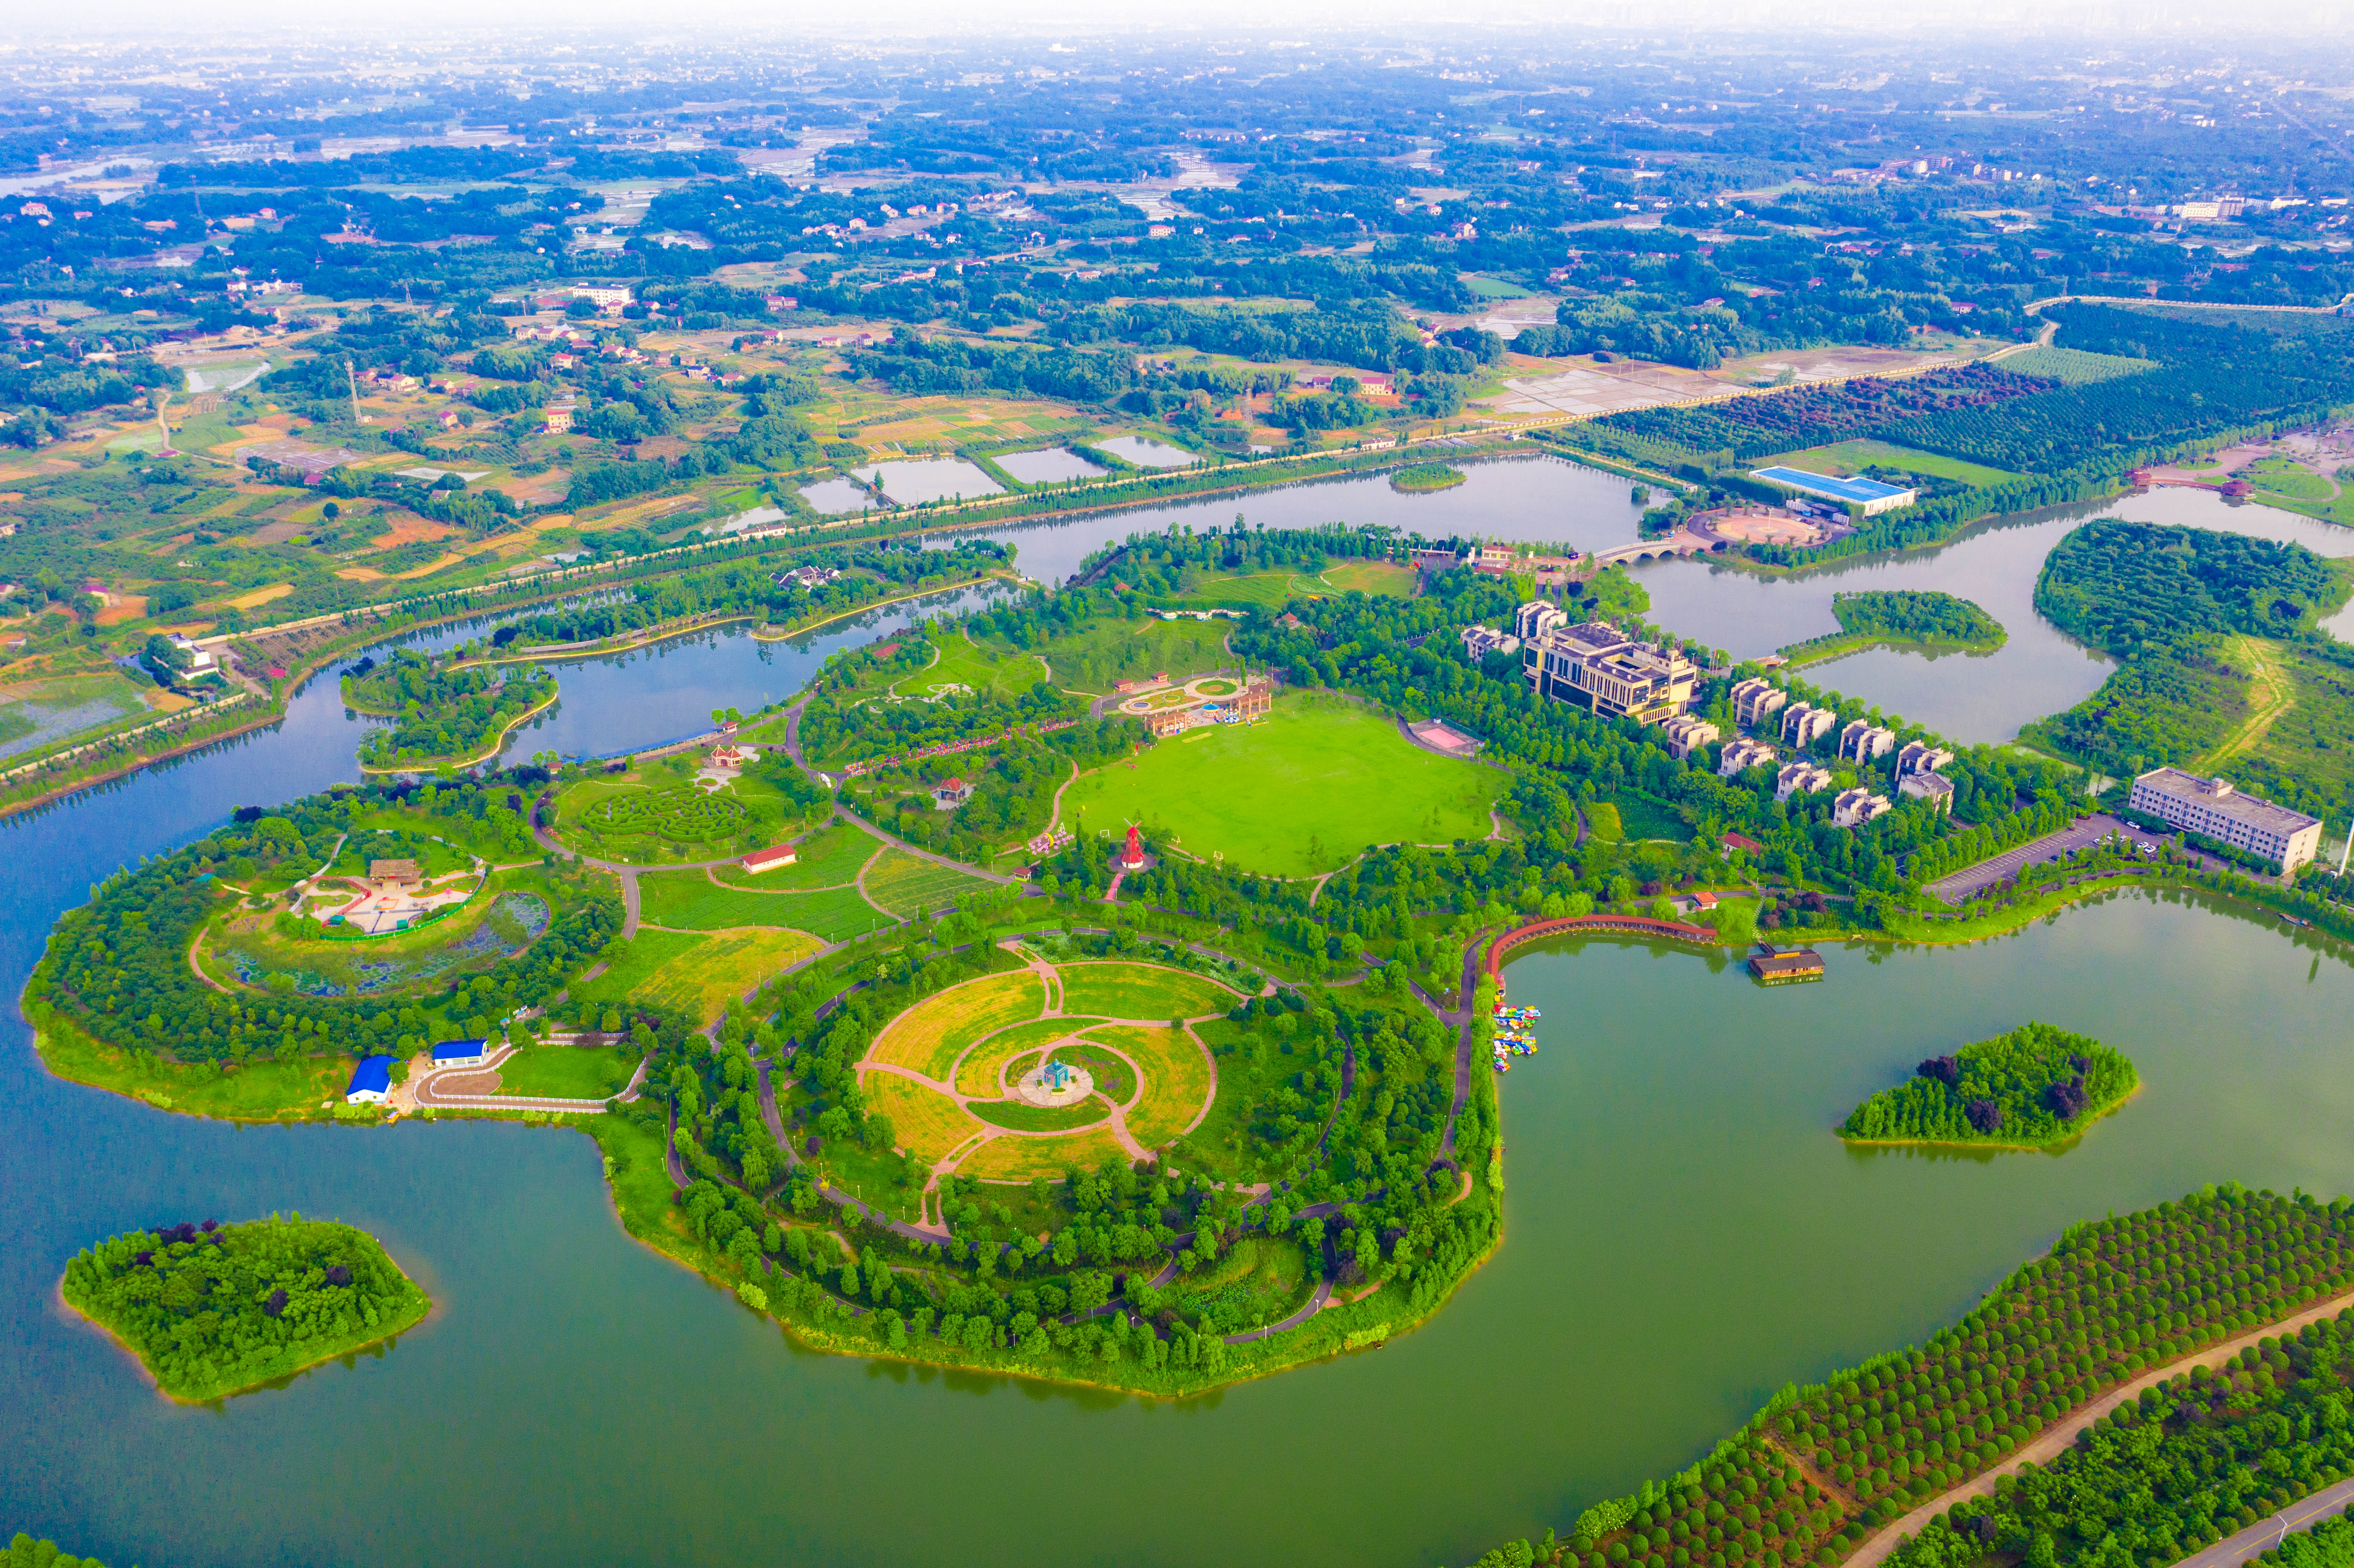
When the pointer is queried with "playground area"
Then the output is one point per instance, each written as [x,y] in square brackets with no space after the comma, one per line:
[1177,707]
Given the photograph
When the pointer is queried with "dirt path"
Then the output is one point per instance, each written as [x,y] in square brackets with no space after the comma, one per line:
[2273,693]
[2055,1440]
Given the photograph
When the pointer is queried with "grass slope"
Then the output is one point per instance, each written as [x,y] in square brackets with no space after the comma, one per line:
[1298,794]
[904,884]
[699,974]
[1140,990]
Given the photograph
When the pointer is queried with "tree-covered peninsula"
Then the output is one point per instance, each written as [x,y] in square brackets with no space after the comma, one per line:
[212,1310]
[2031,1087]
[1913,615]
[443,714]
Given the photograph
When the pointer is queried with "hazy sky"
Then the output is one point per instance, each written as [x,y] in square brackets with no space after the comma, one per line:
[93,20]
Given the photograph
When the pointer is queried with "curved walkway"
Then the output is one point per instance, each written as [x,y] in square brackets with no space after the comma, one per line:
[2055,1440]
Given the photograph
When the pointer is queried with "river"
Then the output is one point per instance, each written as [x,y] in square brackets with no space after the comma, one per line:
[1683,1235]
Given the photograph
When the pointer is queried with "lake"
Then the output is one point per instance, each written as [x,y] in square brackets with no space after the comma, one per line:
[1684,1233]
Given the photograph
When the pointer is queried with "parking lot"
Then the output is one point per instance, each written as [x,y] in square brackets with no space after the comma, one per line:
[2081,835]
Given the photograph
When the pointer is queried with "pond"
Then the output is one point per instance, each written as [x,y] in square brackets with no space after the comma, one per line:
[929,479]
[1146,452]
[1684,1234]
[1048,466]
[832,497]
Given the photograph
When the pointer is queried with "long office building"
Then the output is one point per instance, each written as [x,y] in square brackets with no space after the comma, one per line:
[1616,676]
[2213,808]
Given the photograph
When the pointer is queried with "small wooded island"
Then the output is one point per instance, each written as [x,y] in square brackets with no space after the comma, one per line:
[1424,476]
[2030,1088]
[1913,615]
[443,714]
[212,1310]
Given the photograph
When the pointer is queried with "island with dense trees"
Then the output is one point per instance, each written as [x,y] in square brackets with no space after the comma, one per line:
[2032,1088]
[212,1310]
[1417,479]
[444,714]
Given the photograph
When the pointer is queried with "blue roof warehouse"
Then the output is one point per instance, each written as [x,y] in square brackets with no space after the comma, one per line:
[1871,495]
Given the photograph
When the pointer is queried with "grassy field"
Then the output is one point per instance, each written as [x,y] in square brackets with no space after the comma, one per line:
[1110,649]
[1848,457]
[698,974]
[1140,990]
[830,857]
[566,1073]
[929,1036]
[923,1121]
[1022,1158]
[1641,817]
[1017,1116]
[977,1075]
[1371,576]
[1298,794]
[1270,590]
[903,884]
[964,663]
[1261,1280]
[1178,1080]
[687,900]
[1115,1079]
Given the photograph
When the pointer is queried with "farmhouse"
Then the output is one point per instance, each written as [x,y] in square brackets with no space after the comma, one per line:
[371,1082]
[759,861]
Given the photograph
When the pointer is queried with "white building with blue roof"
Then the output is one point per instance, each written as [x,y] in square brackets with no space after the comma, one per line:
[1868,495]
[371,1082]
[459,1052]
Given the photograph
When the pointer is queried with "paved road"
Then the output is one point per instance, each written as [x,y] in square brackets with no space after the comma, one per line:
[2263,1536]
[2083,833]
[2056,1440]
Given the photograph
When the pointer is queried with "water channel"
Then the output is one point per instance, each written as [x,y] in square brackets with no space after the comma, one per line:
[1684,1234]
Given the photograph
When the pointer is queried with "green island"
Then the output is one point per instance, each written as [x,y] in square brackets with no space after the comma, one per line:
[215,1310]
[1418,478]
[2032,1089]
[24,1552]
[1902,618]
[2164,1353]
[444,714]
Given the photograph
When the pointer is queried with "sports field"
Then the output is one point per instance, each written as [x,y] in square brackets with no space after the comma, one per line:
[928,1036]
[1298,794]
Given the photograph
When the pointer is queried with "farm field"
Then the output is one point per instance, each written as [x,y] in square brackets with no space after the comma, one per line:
[903,884]
[40,713]
[1115,990]
[928,1036]
[1850,457]
[1297,794]
[566,1071]
[697,974]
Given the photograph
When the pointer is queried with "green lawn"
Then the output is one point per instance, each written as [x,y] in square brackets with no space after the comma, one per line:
[1644,817]
[687,901]
[1111,649]
[696,973]
[1848,457]
[830,857]
[963,663]
[1299,793]
[1116,989]
[565,1073]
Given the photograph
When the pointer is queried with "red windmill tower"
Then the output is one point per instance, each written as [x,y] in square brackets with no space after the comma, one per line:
[1132,857]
